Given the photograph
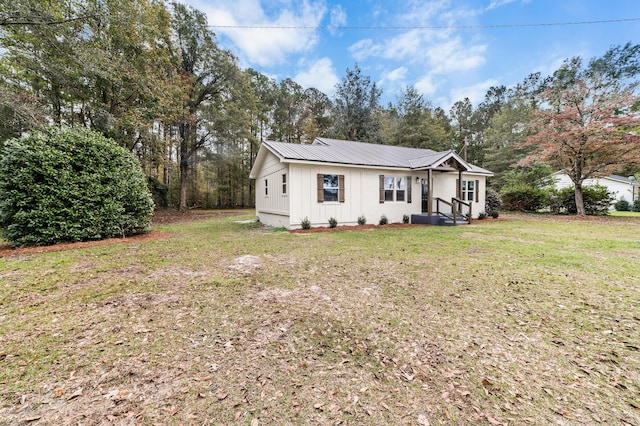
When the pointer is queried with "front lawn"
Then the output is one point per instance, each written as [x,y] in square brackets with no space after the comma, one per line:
[531,320]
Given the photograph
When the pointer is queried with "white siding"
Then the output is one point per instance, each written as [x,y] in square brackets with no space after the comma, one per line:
[362,196]
[620,190]
[272,207]
[444,187]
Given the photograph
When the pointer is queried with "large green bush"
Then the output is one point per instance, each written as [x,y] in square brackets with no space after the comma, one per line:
[492,201]
[622,205]
[597,200]
[522,198]
[70,184]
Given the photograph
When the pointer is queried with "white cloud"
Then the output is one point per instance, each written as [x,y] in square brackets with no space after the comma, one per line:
[453,55]
[498,3]
[406,46]
[396,74]
[475,92]
[364,49]
[426,85]
[265,46]
[393,80]
[319,74]
[338,18]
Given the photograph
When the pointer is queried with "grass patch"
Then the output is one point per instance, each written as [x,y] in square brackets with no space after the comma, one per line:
[529,320]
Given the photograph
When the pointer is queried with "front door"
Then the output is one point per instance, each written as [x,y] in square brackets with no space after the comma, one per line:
[425,196]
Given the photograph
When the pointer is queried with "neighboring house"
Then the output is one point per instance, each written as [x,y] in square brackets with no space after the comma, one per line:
[345,180]
[621,187]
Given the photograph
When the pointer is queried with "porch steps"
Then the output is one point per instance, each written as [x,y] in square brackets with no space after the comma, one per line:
[437,220]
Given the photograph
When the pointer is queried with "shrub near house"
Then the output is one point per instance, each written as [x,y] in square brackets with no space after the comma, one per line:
[70,184]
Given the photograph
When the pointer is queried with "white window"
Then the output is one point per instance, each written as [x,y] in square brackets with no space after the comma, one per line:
[395,189]
[284,184]
[468,190]
[266,188]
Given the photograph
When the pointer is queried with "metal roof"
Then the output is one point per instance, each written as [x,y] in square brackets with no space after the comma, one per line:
[337,151]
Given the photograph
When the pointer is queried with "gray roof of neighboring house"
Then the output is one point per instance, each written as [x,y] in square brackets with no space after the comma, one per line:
[611,177]
[623,178]
[365,154]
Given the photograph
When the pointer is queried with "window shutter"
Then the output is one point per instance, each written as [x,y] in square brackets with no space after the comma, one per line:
[321,188]
[477,191]
[381,189]
[409,185]
[341,188]
[458,194]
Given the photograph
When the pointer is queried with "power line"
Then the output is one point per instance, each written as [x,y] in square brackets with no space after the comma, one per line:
[5,22]
[422,27]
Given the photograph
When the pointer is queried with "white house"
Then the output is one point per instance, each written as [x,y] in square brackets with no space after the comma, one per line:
[625,188]
[345,180]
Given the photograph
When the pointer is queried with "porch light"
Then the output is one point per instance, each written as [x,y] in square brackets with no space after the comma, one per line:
[417,179]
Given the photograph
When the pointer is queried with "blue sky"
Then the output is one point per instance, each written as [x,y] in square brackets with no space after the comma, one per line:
[315,41]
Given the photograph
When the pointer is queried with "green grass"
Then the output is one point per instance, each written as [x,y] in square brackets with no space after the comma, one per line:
[532,320]
[625,214]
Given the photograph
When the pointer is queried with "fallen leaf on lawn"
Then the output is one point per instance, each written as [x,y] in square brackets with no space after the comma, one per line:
[255,422]
[385,406]
[563,413]
[75,394]
[59,392]
[31,419]
[237,415]
[220,394]
[408,377]
[423,420]
[492,419]
[318,405]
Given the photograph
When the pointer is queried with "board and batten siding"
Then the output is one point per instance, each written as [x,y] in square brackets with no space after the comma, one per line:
[361,196]
[444,185]
[272,205]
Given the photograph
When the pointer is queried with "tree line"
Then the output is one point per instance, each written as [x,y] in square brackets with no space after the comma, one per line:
[151,76]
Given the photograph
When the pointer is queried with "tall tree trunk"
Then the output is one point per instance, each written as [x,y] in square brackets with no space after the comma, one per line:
[185,136]
[579,200]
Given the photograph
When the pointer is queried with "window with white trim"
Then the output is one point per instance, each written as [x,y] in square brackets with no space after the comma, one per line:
[331,188]
[470,190]
[284,184]
[266,188]
[395,189]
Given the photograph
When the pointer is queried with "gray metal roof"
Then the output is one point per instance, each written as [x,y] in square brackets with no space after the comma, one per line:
[337,151]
